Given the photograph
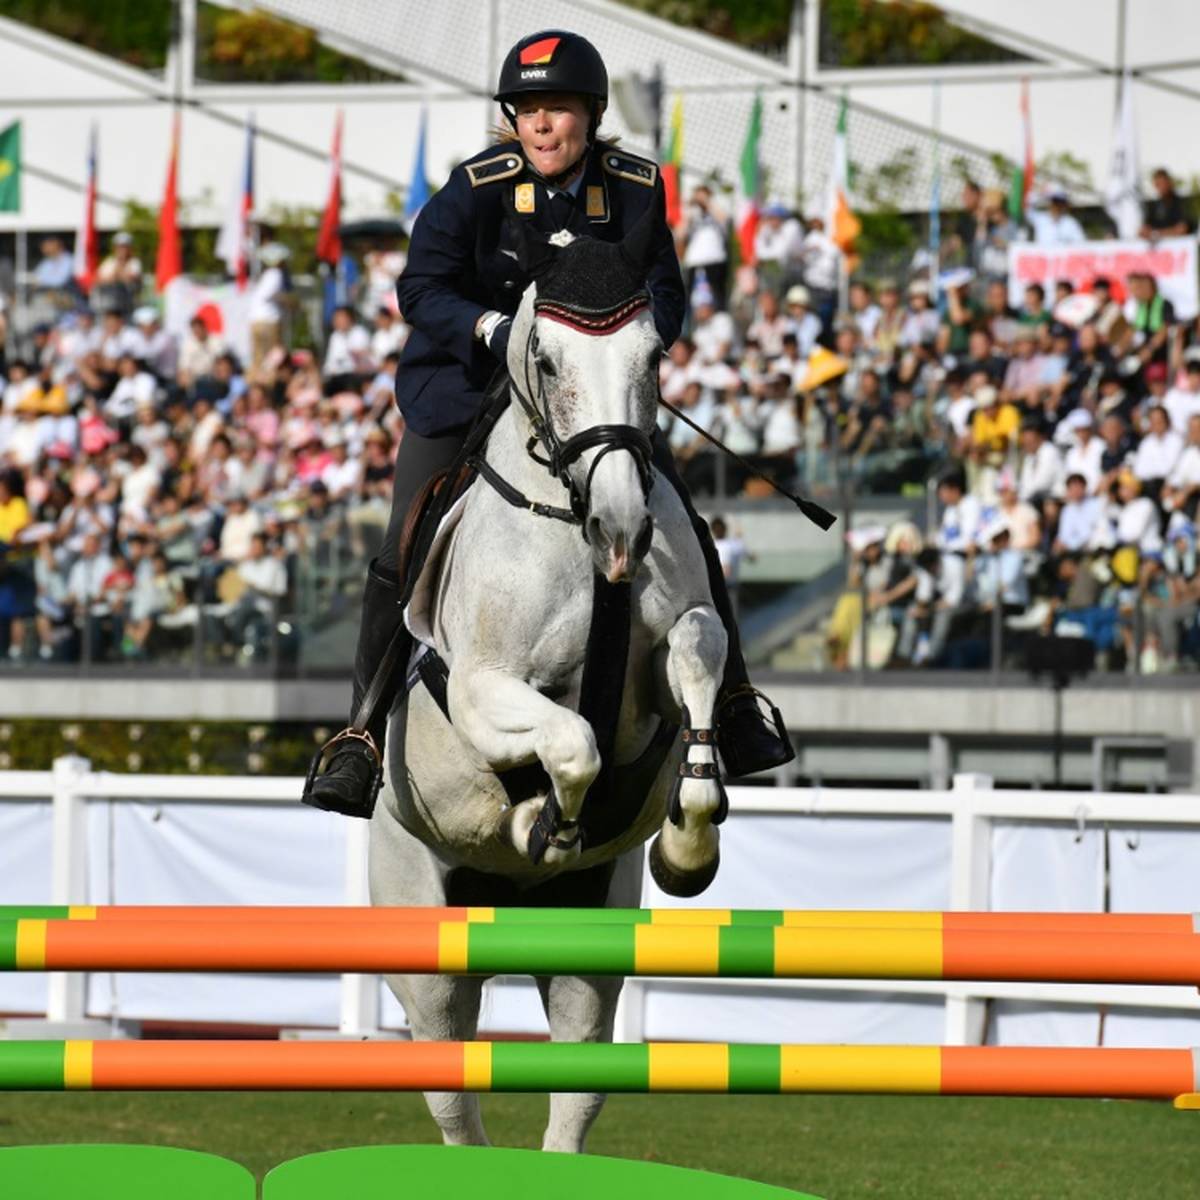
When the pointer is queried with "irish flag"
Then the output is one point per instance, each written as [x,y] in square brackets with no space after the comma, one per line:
[751,179]
[1022,176]
[672,161]
[841,224]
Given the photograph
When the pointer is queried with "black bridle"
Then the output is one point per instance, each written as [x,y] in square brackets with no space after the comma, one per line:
[559,455]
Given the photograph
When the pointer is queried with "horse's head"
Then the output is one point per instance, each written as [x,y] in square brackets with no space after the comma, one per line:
[583,358]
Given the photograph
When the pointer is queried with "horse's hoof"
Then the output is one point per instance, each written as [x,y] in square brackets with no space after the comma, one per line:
[680,883]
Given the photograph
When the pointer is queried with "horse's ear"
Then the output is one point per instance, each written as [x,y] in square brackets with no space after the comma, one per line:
[638,244]
[534,253]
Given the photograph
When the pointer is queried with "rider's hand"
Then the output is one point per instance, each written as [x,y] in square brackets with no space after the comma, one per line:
[493,330]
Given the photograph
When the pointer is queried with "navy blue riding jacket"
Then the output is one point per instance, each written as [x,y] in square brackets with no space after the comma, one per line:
[462,262]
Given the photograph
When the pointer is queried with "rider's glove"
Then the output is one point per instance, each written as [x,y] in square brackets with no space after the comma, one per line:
[493,329]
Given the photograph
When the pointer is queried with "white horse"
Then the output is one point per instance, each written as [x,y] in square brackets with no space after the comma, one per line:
[510,614]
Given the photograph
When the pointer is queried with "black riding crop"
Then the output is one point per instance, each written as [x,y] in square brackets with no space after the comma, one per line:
[821,517]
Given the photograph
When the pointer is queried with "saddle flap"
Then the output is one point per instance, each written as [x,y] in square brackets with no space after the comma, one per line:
[419,612]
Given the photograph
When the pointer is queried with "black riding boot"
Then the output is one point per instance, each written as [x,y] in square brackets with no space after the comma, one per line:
[352,777]
[747,740]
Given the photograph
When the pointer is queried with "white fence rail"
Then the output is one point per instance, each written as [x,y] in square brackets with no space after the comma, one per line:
[971,807]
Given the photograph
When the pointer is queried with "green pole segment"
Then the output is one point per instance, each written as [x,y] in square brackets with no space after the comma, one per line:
[33,1066]
[565,1066]
[599,949]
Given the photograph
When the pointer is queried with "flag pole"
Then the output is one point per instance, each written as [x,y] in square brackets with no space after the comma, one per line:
[935,207]
[22,272]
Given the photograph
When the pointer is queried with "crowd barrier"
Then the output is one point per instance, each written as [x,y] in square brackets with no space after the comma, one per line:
[1144,948]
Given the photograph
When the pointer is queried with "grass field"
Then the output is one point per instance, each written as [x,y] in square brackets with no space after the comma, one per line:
[838,1147]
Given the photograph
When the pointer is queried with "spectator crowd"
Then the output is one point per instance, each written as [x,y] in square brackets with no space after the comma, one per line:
[156,488]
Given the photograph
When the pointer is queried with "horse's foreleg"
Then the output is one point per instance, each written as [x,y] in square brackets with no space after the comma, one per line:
[508,723]
[685,855]
[579,1010]
[445,1008]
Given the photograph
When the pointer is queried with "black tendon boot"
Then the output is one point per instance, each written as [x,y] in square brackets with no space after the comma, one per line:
[748,741]
[347,772]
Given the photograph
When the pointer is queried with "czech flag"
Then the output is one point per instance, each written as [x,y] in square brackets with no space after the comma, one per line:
[87,240]
[233,242]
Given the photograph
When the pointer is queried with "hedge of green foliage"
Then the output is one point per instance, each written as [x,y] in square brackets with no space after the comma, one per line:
[163,747]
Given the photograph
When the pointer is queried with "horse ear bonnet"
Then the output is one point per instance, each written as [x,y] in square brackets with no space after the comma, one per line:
[591,276]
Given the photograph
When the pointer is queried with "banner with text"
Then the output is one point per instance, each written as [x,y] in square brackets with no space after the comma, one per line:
[1171,261]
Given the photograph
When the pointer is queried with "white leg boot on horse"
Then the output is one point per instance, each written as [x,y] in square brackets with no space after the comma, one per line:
[685,856]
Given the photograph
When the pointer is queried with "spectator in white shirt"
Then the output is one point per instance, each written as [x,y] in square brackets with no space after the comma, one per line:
[85,580]
[389,337]
[1086,450]
[1056,226]
[117,339]
[805,323]
[135,386]
[157,348]
[1137,522]
[241,524]
[1183,483]
[1079,518]
[343,474]
[769,327]
[1182,402]
[961,516]
[921,321]
[1041,465]
[348,350]
[1158,451]
[265,314]
[712,331]
[864,310]
[822,265]
[706,243]
[200,351]
[778,244]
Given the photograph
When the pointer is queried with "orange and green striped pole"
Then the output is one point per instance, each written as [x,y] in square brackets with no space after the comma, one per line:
[467,947]
[1075,922]
[596,1067]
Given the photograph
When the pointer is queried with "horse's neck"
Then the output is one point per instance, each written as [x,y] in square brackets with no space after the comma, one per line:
[506,452]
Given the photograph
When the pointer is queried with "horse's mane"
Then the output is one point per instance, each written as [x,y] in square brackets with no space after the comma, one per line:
[590,276]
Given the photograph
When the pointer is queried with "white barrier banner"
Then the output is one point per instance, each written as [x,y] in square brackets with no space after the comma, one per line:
[1172,262]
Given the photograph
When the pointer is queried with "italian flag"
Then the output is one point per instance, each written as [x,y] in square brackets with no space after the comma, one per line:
[751,178]
[1022,176]
[841,224]
[672,162]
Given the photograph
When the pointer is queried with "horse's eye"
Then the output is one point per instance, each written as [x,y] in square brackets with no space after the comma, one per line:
[546,365]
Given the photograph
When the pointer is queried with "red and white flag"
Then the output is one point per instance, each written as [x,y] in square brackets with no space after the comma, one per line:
[233,242]
[87,240]
[170,248]
[329,244]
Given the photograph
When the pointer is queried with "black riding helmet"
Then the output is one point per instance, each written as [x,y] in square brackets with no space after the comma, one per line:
[554,60]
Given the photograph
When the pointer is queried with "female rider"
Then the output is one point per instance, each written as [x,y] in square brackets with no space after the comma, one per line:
[459,291]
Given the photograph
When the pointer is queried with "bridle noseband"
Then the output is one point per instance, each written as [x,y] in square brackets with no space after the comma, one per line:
[559,455]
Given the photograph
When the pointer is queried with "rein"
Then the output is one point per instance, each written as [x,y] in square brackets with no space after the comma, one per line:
[559,455]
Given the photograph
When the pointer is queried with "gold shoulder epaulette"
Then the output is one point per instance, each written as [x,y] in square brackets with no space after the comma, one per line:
[492,170]
[629,166]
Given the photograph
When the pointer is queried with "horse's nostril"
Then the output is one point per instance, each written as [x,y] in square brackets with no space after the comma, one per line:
[592,533]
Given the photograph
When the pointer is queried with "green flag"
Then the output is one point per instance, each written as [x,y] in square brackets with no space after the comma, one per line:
[10,168]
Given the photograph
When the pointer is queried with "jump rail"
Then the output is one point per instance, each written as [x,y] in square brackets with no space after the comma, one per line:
[599,1067]
[731,951]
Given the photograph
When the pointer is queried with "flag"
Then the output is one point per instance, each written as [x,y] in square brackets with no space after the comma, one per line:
[329,244]
[672,162]
[170,252]
[233,242]
[1121,199]
[10,168]
[841,225]
[87,240]
[418,184]
[750,170]
[1022,176]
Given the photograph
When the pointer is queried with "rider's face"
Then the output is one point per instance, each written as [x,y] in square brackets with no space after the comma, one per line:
[553,128]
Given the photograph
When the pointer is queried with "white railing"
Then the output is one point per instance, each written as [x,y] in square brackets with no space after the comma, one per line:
[971,806]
